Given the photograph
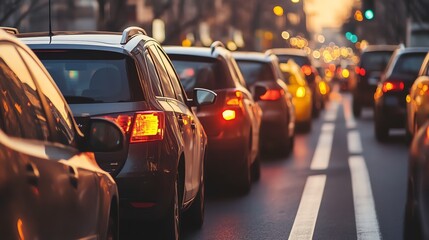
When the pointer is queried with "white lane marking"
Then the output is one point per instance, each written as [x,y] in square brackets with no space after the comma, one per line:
[305,220]
[322,154]
[331,114]
[366,218]
[350,120]
[353,142]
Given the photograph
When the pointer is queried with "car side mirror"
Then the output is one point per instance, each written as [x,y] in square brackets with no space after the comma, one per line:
[203,97]
[104,136]
[259,91]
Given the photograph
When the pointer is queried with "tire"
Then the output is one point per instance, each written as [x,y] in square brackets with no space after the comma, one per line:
[170,225]
[357,109]
[195,214]
[112,227]
[380,130]
[256,169]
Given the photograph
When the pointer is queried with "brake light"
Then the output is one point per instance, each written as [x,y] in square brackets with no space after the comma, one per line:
[306,70]
[272,95]
[300,92]
[360,71]
[323,88]
[357,70]
[235,99]
[147,126]
[228,115]
[392,86]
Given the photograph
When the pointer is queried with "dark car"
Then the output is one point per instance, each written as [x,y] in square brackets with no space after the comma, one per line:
[390,107]
[416,225]
[50,185]
[278,118]
[232,123]
[373,61]
[127,78]
[312,78]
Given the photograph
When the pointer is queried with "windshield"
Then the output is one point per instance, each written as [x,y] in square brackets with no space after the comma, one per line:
[255,71]
[87,77]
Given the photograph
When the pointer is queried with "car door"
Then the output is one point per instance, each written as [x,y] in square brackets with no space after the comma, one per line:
[190,130]
[76,193]
[182,119]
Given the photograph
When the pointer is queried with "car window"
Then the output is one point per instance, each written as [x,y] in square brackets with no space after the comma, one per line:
[300,60]
[200,72]
[237,72]
[62,118]
[375,61]
[93,76]
[167,88]
[256,71]
[409,63]
[173,77]
[153,76]
[23,114]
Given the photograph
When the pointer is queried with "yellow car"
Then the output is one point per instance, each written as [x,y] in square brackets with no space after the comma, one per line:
[302,95]
[418,100]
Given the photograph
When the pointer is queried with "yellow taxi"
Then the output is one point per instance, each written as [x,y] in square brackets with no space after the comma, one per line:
[302,95]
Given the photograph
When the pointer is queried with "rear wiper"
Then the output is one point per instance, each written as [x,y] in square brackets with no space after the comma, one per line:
[80,99]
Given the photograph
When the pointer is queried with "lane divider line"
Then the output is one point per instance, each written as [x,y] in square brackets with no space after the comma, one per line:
[331,115]
[353,142]
[367,227]
[322,154]
[305,220]
[348,116]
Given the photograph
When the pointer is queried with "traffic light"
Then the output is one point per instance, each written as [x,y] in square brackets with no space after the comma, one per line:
[368,9]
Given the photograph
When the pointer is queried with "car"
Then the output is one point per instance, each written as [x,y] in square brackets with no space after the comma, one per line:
[50,185]
[127,78]
[233,122]
[311,75]
[418,100]
[373,61]
[390,96]
[278,119]
[301,92]
[416,207]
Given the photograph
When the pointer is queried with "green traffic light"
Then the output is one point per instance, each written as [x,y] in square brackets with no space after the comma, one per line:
[369,14]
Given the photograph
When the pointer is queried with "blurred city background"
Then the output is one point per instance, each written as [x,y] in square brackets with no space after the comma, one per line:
[240,24]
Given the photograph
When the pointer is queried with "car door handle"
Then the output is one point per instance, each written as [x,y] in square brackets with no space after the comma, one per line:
[32,174]
[73,176]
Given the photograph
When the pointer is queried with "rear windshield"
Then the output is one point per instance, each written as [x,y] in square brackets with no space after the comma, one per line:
[201,72]
[375,61]
[300,60]
[255,71]
[92,76]
[409,63]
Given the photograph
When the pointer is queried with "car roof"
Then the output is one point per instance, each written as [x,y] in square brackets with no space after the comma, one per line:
[91,40]
[380,48]
[209,52]
[288,51]
[253,56]
[412,50]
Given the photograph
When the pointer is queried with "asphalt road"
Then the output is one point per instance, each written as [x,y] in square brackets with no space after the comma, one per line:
[339,183]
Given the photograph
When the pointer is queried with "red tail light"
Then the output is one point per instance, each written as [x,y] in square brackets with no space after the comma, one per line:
[147,126]
[229,114]
[306,70]
[234,99]
[392,86]
[272,95]
[360,71]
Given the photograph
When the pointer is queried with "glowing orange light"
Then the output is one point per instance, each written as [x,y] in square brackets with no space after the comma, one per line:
[300,92]
[306,70]
[20,228]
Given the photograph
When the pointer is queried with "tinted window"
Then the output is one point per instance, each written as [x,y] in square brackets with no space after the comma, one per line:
[256,71]
[93,76]
[200,72]
[167,88]
[21,106]
[154,81]
[57,106]
[409,63]
[300,60]
[375,61]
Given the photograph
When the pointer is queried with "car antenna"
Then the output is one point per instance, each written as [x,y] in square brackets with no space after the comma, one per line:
[50,23]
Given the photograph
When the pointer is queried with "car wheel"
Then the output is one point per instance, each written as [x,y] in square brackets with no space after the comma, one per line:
[170,226]
[256,169]
[195,214]
[357,109]
[412,227]
[112,228]
[381,131]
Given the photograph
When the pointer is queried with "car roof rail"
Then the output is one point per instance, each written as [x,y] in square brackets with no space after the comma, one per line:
[10,30]
[216,44]
[130,32]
